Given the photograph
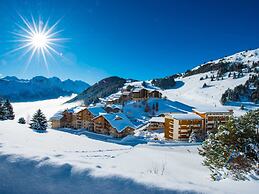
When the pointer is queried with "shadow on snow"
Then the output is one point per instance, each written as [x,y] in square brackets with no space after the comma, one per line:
[26,176]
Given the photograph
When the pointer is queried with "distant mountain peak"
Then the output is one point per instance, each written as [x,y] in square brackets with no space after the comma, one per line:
[38,88]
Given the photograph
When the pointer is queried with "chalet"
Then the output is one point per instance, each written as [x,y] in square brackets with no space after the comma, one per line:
[154,94]
[57,120]
[180,126]
[112,99]
[114,108]
[125,96]
[139,94]
[86,115]
[143,94]
[156,123]
[213,117]
[68,120]
[114,124]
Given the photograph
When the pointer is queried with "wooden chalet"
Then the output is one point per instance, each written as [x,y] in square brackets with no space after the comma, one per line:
[114,124]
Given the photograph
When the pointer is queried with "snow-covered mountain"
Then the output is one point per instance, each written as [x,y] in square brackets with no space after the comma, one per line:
[38,88]
[247,57]
[205,84]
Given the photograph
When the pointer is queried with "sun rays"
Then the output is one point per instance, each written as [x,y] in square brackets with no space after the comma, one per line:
[37,38]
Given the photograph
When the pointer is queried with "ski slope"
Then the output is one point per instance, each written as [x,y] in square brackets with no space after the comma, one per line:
[61,162]
[191,92]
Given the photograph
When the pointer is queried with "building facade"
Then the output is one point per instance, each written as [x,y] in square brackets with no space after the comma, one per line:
[213,118]
[114,124]
[180,126]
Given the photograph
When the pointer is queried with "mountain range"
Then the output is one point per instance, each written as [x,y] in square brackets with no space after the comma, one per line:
[38,88]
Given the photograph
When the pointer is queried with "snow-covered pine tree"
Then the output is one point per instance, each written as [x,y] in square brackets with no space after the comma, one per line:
[21,120]
[39,121]
[1,111]
[193,137]
[233,149]
[8,110]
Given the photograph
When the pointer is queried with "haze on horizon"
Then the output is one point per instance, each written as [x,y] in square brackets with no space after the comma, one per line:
[132,39]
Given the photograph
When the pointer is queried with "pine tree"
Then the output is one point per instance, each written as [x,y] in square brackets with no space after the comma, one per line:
[144,84]
[192,138]
[39,121]
[157,106]
[232,151]
[146,107]
[21,120]
[153,107]
[8,110]
[2,115]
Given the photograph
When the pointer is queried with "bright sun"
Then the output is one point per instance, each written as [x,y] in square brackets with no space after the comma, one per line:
[38,38]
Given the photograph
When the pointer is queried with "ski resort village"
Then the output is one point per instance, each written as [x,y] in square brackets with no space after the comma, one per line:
[129,97]
[195,132]
[139,107]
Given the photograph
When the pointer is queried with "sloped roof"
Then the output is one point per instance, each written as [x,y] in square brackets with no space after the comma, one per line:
[79,108]
[212,110]
[157,119]
[113,106]
[189,116]
[138,89]
[57,116]
[119,121]
[96,110]
[76,109]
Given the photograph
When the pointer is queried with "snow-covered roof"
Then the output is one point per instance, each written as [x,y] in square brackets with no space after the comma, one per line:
[157,119]
[76,109]
[137,89]
[119,121]
[96,111]
[79,108]
[113,106]
[57,116]
[145,88]
[126,93]
[188,116]
[212,110]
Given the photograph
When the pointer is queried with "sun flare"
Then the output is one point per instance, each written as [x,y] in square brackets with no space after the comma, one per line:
[38,38]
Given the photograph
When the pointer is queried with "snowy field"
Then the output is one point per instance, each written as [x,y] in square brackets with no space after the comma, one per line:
[61,162]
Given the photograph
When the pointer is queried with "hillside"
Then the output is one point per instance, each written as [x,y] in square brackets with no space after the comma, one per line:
[246,59]
[205,84]
[201,86]
[63,162]
[38,88]
[101,89]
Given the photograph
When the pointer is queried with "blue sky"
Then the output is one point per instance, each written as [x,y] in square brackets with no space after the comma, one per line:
[140,39]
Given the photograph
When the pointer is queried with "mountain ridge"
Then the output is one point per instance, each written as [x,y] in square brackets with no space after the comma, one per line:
[38,88]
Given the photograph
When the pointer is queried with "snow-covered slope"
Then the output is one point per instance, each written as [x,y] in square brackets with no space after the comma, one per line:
[48,107]
[59,162]
[192,92]
[247,57]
